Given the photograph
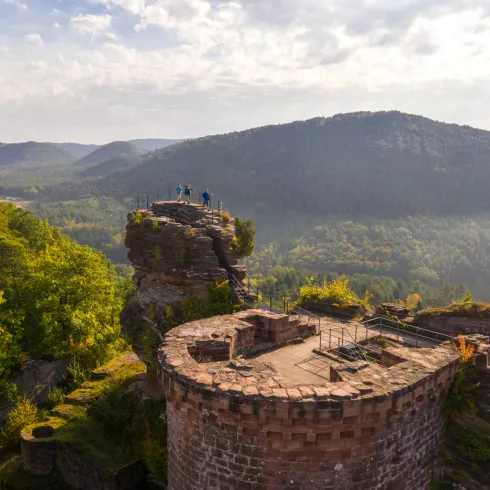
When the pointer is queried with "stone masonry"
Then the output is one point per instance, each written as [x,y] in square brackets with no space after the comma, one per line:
[235,423]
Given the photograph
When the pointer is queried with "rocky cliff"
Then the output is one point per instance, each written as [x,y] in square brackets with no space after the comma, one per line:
[177,250]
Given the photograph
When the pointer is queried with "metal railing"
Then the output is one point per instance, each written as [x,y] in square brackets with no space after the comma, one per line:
[404,328]
[342,346]
[311,317]
[239,290]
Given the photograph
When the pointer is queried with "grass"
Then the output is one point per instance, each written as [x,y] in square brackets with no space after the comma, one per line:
[81,430]
[474,310]
[87,437]
[13,475]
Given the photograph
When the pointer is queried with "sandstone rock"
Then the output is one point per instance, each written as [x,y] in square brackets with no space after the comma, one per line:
[177,250]
[37,378]
[392,309]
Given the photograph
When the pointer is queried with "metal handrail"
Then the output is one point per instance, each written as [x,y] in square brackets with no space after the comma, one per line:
[342,343]
[407,328]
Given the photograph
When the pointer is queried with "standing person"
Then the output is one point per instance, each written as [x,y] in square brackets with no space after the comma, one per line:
[179,193]
[188,193]
[206,197]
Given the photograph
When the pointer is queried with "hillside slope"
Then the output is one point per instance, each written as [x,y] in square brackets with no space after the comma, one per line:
[34,153]
[377,164]
[153,144]
[78,149]
[119,162]
[109,151]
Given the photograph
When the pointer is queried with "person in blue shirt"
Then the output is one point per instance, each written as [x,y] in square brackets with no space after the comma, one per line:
[206,197]
[187,193]
[179,193]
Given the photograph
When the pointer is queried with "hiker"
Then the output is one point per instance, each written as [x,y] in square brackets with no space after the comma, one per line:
[206,197]
[179,193]
[187,192]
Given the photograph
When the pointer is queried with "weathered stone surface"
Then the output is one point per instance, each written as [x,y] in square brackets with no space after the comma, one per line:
[36,380]
[375,427]
[177,251]
[392,309]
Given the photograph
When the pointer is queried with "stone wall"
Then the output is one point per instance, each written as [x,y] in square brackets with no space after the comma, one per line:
[241,426]
[454,325]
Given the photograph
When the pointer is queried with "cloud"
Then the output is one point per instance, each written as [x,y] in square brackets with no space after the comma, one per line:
[91,24]
[190,67]
[34,39]
[18,3]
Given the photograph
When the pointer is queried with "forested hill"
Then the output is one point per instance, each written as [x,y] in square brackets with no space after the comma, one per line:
[110,151]
[32,152]
[377,164]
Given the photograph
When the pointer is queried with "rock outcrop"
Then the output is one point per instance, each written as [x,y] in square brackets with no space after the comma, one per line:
[392,309]
[456,319]
[177,250]
[35,381]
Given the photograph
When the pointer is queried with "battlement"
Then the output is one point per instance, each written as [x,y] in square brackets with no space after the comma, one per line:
[239,417]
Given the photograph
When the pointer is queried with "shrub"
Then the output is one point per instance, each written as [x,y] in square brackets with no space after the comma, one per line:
[218,301]
[155,225]
[243,243]
[225,217]
[9,391]
[56,396]
[460,399]
[190,233]
[24,413]
[156,459]
[472,444]
[158,252]
[136,219]
[338,291]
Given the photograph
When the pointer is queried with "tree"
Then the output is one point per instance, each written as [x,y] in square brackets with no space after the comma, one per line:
[57,298]
[243,243]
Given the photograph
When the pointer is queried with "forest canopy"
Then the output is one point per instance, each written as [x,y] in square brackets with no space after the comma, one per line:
[57,298]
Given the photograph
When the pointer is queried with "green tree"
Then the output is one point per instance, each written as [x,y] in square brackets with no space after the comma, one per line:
[58,298]
[243,243]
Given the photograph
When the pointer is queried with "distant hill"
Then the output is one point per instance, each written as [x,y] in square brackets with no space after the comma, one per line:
[111,151]
[77,149]
[34,153]
[376,164]
[153,144]
[120,162]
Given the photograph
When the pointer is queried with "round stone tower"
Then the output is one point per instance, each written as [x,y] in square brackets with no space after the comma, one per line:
[251,407]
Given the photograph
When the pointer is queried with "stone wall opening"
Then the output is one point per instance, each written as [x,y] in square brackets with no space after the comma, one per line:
[43,432]
[210,351]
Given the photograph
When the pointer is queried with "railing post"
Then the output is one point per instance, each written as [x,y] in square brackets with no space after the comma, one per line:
[367,329]
[319,325]
[158,193]
[147,203]
[416,336]
[329,339]
[270,300]
[355,335]
[342,336]
[169,194]
[137,202]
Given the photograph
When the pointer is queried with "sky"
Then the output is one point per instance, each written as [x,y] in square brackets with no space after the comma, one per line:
[94,71]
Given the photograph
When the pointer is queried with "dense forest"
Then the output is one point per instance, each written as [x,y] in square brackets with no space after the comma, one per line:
[389,195]
[57,298]
[98,223]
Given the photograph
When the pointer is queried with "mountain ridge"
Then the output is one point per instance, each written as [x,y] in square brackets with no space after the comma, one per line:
[382,163]
[108,152]
[33,152]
